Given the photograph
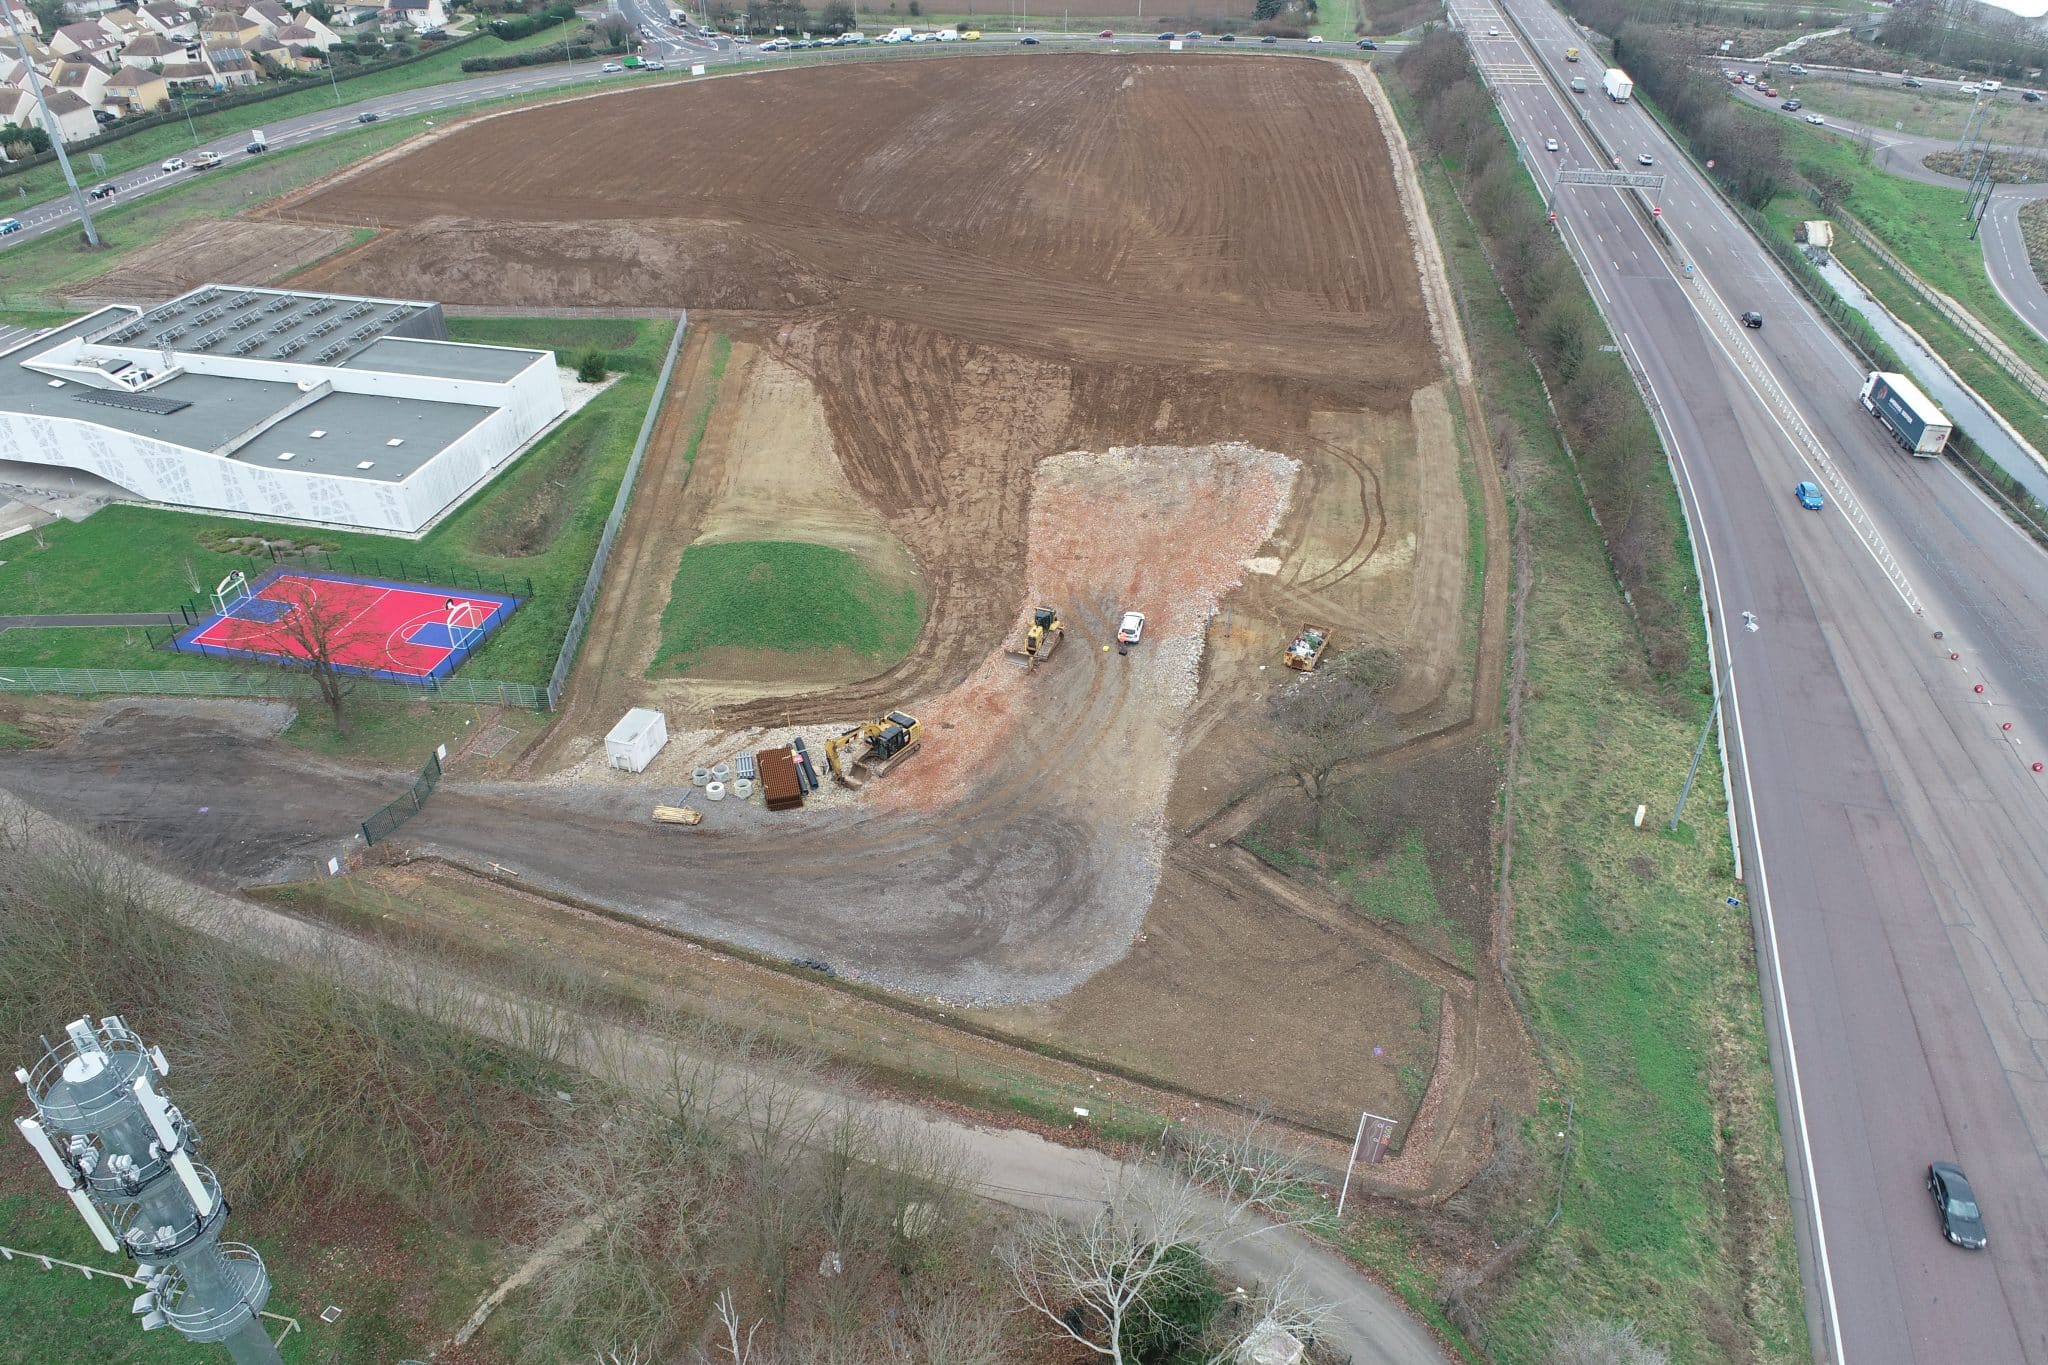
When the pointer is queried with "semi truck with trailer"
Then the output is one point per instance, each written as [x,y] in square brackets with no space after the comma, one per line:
[1907,414]
[1617,85]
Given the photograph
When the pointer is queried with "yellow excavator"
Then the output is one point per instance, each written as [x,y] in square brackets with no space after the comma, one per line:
[888,742]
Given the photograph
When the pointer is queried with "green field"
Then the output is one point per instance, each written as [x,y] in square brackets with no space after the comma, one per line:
[539,519]
[172,139]
[1636,978]
[787,596]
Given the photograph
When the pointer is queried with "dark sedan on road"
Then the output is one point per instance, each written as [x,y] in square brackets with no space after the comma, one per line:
[1962,1222]
[368,116]
[103,191]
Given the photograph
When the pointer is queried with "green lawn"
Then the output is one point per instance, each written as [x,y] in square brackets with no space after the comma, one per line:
[154,144]
[783,595]
[57,260]
[1637,978]
[540,519]
[1922,224]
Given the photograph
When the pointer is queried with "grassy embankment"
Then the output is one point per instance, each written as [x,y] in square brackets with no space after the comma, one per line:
[1638,981]
[174,139]
[539,519]
[1935,110]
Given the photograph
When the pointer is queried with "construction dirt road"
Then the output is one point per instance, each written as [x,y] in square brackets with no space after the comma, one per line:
[1138,331]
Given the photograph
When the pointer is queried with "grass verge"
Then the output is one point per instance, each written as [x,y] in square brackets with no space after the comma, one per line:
[1637,981]
[783,595]
[131,558]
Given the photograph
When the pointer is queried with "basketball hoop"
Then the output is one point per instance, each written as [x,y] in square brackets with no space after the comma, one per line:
[465,623]
[231,591]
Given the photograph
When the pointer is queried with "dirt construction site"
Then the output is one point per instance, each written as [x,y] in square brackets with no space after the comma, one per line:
[1140,332]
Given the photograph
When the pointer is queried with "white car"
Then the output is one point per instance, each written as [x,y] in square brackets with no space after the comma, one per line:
[1493,33]
[1131,629]
[652,65]
[176,163]
[1550,144]
[1315,37]
[1816,119]
[612,67]
[1645,159]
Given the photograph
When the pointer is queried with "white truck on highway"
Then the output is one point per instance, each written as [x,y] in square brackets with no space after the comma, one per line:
[1907,414]
[1617,85]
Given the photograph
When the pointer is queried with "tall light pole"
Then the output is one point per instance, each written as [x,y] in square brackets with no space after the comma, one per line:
[35,83]
[123,1153]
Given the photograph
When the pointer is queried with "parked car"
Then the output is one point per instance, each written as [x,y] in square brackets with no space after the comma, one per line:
[176,163]
[1493,33]
[1809,496]
[8,225]
[1131,629]
[1962,1222]
[1752,320]
[106,190]
[103,117]
[368,116]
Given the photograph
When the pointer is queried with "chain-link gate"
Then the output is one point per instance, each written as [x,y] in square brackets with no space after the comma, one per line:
[386,821]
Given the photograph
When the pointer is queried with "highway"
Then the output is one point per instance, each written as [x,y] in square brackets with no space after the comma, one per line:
[1892,831]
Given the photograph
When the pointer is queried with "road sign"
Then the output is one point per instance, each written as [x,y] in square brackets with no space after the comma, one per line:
[1656,212]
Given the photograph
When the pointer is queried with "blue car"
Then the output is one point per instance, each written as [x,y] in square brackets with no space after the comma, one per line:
[1809,496]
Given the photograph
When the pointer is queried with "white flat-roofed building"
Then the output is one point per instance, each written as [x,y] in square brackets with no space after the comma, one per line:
[279,405]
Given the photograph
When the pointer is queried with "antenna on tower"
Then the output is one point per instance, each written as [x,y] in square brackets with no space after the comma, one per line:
[122,1152]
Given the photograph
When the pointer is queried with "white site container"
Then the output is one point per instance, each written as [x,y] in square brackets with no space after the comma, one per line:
[635,741]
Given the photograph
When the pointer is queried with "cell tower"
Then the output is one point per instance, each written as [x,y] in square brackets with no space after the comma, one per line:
[124,1154]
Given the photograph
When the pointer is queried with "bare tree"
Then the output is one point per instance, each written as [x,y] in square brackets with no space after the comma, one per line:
[1602,1342]
[1094,1279]
[730,1343]
[320,634]
[1323,722]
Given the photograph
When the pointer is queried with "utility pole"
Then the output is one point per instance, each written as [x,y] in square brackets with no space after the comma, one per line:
[35,83]
[123,1153]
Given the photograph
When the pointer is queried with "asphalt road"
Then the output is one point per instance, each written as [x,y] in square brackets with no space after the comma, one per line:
[1893,834]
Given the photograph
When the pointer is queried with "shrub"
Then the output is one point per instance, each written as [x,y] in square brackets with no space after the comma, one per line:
[592,366]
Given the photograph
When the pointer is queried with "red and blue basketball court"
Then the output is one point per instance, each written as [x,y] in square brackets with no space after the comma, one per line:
[398,632]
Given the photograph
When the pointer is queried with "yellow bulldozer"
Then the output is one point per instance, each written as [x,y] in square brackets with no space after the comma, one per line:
[881,744]
[1041,637]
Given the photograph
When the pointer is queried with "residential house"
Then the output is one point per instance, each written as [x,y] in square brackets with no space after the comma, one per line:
[421,14]
[15,14]
[137,90]
[85,36]
[72,115]
[153,49]
[124,26]
[224,29]
[85,77]
[172,20]
[307,31]
[189,75]
[231,65]
[18,107]
[298,61]
[267,15]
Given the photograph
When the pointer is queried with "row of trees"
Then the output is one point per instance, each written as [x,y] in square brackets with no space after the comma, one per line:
[1620,458]
[1748,151]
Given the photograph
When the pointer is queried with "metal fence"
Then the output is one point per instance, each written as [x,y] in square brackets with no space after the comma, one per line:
[387,820]
[586,602]
[280,683]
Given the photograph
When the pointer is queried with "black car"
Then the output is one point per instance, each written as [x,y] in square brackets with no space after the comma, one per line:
[1790,106]
[367,117]
[1226,37]
[106,190]
[1269,38]
[1028,42]
[1912,82]
[1752,320]
[1368,45]
[1166,36]
[1962,1222]
[2032,97]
